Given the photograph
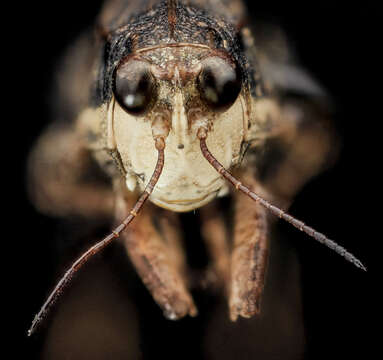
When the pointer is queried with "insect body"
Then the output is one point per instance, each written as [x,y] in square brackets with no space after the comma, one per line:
[169,97]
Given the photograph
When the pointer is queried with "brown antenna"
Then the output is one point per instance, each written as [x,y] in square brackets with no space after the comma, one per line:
[64,281]
[202,135]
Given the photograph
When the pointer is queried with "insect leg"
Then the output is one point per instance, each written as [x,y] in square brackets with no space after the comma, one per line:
[58,167]
[155,263]
[249,256]
[170,230]
[215,236]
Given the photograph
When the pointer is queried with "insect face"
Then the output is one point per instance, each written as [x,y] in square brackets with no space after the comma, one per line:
[175,91]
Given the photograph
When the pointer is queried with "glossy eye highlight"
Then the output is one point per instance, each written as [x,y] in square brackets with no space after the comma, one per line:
[219,83]
[134,86]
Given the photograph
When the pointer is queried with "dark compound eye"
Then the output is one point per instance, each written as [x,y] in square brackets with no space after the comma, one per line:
[219,83]
[134,87]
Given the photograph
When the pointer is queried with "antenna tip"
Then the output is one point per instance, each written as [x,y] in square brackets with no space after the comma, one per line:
[361,266]
[35,323]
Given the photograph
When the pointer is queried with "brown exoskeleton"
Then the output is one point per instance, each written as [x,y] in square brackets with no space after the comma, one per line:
[169,97]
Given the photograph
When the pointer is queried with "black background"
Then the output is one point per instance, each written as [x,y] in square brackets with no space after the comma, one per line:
[339,45]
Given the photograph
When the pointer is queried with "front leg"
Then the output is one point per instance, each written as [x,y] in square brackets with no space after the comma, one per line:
[158,261]
[63,178]
[249,255]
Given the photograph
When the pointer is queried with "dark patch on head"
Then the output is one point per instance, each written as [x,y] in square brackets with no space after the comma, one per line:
[92,137]
[180,146]
[269,158]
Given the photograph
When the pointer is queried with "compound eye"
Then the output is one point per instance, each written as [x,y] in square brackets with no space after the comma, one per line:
[219,83]
[134,87]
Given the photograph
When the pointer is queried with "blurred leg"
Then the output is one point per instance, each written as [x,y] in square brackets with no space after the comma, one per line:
[62,177]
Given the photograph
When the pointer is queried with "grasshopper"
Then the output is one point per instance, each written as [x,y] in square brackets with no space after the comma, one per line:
[175,101]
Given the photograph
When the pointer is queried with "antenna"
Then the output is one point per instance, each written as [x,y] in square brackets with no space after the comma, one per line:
[65,280]
[202,135]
